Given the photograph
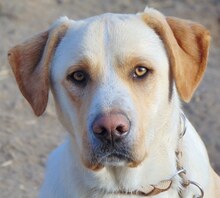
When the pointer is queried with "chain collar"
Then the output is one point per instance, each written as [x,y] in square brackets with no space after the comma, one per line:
[179,153]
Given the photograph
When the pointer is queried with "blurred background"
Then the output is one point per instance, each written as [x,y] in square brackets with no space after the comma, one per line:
[26,140]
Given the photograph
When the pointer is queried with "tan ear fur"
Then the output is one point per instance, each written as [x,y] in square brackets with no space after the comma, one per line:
[30,64]
[187,45]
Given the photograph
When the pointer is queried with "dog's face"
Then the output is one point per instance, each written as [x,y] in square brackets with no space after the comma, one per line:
[111,67]
[113,77]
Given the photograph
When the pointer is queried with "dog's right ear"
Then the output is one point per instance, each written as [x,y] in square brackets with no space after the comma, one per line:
[30,64]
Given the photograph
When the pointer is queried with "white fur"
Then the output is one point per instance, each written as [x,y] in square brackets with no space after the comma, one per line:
[101,42]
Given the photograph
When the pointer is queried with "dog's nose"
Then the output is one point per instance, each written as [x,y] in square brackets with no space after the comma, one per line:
[111,127]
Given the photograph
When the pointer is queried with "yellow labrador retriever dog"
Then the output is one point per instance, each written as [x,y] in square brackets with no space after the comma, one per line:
[117,81]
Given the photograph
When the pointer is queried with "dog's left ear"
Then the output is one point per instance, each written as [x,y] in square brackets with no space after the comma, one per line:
[187,45]
[30,64]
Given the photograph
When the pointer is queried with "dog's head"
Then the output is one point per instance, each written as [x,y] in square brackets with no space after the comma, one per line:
[114,79]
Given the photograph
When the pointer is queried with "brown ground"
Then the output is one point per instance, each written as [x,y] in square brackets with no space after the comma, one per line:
[25,140]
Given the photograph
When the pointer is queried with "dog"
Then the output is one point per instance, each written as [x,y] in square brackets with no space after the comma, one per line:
[118,81]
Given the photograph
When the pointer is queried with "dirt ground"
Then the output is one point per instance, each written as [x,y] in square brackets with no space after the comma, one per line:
[26,140]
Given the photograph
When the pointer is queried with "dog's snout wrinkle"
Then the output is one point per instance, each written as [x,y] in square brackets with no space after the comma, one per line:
[112,127]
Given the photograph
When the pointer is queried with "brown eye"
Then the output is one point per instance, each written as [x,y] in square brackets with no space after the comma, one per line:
[140,72]
[78,77]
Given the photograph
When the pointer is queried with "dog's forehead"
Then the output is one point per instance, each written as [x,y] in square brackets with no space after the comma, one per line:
[110,35]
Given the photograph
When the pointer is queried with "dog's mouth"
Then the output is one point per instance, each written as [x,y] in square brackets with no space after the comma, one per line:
[114,159]
[110,156]
[104,157]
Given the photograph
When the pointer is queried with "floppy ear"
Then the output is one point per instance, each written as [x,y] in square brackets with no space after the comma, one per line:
[30,64]
[187,45]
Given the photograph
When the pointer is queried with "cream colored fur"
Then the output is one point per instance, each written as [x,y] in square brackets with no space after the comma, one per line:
[109,47]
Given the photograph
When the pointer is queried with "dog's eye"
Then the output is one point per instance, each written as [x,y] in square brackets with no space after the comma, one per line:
[140,72]
[79,77]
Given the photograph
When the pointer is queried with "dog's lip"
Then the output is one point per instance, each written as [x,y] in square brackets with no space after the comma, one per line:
[112,158]
[115,157]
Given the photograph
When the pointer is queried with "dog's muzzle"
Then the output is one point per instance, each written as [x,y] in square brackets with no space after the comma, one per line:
[110,133]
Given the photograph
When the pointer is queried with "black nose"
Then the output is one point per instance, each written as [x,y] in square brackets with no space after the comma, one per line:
[111,127]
